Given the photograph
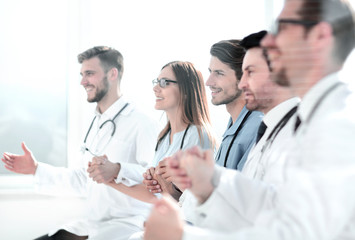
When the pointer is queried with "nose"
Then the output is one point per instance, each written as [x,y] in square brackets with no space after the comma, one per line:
[156,88]
[210,81]
[243,82]
[83,81]
[268,41]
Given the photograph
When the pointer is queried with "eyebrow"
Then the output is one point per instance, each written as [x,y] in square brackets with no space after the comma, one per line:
[87,71]
[248,67]
[217,70]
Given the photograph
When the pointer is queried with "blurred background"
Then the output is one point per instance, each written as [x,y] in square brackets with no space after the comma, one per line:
[43,104]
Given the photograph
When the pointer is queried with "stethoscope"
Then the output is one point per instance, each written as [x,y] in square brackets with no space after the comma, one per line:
[285,119]
[234,137]
[279,126]
[182,140]
[112,121]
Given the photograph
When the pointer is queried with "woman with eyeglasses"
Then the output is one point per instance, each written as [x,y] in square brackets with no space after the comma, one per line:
[180,93]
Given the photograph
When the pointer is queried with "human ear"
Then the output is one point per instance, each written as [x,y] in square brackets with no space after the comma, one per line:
[322,34]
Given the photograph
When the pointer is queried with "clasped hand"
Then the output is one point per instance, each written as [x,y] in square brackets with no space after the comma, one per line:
[101,170]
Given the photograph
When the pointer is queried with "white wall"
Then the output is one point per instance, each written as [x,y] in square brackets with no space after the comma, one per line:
[148,33]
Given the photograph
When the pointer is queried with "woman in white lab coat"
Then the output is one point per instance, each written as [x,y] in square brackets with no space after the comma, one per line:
[180,93]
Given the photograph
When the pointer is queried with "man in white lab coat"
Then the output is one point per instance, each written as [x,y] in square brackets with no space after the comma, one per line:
[118,130]
[278,105]
[317,199]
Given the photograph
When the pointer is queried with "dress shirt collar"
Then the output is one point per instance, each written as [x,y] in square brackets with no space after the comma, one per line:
[277,113]
[232,129]
[114,109]
[314,94]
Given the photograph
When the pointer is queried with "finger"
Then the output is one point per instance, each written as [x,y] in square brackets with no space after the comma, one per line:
[156,191]
[98,179]
[153,187]
[165,176]
[25,149]
[160,170]
[147,175]
[163,162]
[195,150]
[8,163]
[177,172]
[150,183]
[151,171]
[173,163]
[8,157]
[94,174]
[10,169]
[91,168]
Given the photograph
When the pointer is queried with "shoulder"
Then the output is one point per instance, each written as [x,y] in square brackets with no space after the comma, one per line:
[200,135]
[140,118]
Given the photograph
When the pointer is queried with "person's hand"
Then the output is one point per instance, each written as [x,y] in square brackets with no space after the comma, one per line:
[165,221]
[161,169]
[178,174]
[151,184]
[24,164]
[194,169]
[98,160]
[101,170]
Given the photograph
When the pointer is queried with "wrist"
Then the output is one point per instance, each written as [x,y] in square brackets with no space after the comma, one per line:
[213,183]
[118,168]
[204,196]
[35,168]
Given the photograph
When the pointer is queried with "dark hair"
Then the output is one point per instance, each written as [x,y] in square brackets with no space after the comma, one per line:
[230,53]
[109,58]
[193,100]
[340,15]
[253,40]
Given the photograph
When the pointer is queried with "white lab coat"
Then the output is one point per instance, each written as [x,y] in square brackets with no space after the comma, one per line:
[111,214]
[317,198]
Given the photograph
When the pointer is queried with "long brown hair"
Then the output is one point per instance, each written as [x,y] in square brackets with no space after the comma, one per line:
[193,100]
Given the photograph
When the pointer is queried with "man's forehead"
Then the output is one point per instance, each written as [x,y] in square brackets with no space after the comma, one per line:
[290,9]
[253,57]
[92,63]
[216,64]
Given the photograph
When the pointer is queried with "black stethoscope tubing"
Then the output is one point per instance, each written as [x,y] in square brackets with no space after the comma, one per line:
[235,136]
[182,141]
[103,124]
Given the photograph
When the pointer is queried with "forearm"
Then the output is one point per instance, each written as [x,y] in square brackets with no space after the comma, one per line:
[60,181]
[138,191]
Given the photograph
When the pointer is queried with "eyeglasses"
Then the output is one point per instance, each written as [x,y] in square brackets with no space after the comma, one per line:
[277,26]
[163,82]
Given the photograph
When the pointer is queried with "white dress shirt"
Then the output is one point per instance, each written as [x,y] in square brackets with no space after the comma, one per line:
[109,212]
[317,198]
[260,155]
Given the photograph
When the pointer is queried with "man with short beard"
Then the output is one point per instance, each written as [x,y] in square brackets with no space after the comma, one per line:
[118,131]
[225,72]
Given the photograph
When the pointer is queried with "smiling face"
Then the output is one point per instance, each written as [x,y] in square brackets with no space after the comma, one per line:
[222,82]
[258,89]
[168,98]
[94,80]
